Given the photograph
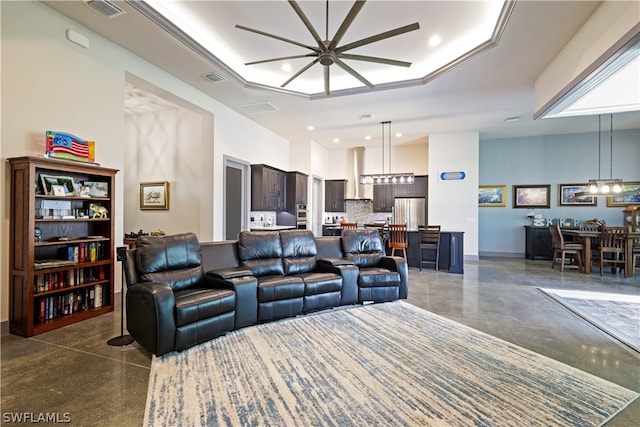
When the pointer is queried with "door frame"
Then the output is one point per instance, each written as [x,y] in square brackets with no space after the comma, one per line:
[245,170]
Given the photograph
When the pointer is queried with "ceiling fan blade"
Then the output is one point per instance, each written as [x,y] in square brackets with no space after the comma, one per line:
[282,58]
[273,36]
[354,73]
[378,37]
[375,59]
[355,9]
[326,80]
[307,24]
[302,70]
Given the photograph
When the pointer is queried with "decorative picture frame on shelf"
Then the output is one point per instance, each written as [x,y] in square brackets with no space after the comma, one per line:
[622,201]
[567,195]
[53,185]
[492,196]
[531,196]
[154,195]
[96,188]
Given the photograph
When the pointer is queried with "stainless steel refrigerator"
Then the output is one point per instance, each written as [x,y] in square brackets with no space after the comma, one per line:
[410,211]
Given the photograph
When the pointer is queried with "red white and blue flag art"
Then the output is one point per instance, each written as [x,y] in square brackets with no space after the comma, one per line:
[66,146]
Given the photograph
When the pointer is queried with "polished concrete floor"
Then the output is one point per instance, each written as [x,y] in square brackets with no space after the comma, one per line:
[73,374]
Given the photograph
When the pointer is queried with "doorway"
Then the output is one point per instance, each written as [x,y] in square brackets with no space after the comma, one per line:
[317,197]
[236,211]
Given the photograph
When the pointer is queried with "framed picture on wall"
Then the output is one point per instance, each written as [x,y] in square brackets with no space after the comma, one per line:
[626,200]
[154,195]
[568,195]
[532,196]
[492,196]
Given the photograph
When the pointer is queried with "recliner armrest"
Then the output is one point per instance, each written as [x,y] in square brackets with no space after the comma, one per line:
[335,261]
[150,318]
[229,273]
[399,265]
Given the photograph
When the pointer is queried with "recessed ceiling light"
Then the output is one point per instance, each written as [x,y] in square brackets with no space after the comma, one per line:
[310,128]
[398,135]
[435,40]
[336,140]
[512,119]
[286,67]
[367,137]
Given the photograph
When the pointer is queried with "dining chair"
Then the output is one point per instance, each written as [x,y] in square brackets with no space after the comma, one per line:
[595,241]
[635,255]
[398,239]
[429,238]
[613,242]
[561,248]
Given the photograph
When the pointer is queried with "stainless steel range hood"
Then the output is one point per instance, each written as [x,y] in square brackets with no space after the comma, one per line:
[355,190]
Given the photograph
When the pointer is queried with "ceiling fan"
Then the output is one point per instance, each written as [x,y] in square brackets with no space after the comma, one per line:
[328,52]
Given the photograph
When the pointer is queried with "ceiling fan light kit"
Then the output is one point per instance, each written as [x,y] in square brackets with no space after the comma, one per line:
[328,52]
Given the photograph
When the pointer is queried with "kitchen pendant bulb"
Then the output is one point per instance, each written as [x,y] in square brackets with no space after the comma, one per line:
[617,188]
[593,188]
[605,188]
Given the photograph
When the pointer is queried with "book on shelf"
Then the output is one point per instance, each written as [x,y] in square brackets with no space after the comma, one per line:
[51,263]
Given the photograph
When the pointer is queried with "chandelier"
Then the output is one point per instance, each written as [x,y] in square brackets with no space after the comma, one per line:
[600,186]
[386,177]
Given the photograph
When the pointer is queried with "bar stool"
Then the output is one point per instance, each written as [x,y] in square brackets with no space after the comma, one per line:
[429,240]
[398,239]
[344,225]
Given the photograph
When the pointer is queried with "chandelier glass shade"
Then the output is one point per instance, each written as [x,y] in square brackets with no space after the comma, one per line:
[386,177]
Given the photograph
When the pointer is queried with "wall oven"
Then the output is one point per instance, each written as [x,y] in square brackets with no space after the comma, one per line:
[302,217]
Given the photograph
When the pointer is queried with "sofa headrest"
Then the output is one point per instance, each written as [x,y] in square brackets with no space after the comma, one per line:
[175,260]
[362,246]
[261,251]
[298,243]
[299,251]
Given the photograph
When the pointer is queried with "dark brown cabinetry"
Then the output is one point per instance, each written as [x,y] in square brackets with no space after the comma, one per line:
[418,188]
[268,188]
[62,248]
[296,190]
[538,243]
[334,195]
[383,197]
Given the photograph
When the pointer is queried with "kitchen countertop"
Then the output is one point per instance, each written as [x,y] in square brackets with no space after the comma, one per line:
[274,228]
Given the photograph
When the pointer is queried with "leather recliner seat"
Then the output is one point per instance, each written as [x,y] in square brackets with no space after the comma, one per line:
[321,288]
[171,304]
[279,296]
[379,278]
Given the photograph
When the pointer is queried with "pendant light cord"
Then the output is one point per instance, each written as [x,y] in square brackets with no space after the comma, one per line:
[611,150]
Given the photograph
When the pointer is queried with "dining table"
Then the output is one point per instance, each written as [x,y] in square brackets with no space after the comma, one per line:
[587,235]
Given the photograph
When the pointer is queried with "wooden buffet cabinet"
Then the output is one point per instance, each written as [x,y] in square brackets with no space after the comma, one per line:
[61,256]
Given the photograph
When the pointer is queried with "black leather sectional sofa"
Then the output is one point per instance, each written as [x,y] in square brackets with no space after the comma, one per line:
[182,293]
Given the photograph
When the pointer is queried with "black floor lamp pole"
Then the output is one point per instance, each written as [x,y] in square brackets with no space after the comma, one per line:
[122,339]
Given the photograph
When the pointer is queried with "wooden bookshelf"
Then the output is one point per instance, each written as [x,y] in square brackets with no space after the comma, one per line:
[62,255]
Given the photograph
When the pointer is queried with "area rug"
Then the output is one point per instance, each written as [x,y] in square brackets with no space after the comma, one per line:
[616,314]
[388,364]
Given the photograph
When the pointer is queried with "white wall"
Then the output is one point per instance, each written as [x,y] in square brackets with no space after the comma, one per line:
[49,83]
[454,204]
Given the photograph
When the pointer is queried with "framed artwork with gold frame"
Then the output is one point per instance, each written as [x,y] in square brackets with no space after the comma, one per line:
[154,195]
[492,196]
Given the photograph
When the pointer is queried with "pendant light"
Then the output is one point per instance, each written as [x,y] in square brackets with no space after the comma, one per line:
[600,186]
[386,177]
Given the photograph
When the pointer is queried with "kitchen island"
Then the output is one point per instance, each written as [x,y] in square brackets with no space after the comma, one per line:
[273,228]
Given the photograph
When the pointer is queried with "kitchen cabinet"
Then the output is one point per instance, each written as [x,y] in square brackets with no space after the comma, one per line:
[334,195]
[383,197]
[418,188]
[296,190]
[268,188]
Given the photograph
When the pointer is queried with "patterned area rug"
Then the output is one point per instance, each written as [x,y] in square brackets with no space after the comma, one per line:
[616,314]
[388,364]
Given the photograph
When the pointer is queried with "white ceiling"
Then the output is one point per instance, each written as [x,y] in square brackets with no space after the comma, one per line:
[477,93]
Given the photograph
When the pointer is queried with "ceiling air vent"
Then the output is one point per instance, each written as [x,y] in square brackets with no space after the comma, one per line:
[262,107]
[214,77]
[106,8]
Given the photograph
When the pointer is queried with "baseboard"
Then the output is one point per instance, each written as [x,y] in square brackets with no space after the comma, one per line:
[489,254]
[4,328]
